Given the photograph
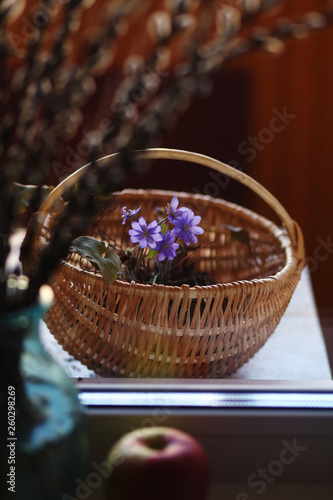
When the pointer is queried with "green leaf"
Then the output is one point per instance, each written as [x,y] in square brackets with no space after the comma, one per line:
[110,266]
[164,228]
[151,254]
[88,247]
[93,250]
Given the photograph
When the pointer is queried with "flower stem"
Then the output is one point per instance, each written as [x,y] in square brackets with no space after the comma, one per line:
[138,262]
[162,221]
[167,269]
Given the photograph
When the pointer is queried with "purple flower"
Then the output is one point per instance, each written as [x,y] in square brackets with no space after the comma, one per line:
[127,214]
[167,247]
[187,227]
[145,235]
[175,212]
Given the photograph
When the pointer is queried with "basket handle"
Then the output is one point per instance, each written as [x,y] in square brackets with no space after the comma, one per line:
[290,225]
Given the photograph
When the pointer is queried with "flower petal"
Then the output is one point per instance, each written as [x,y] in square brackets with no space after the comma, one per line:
[161,256]
[143,223]
[143,243]
[153,226]
[197,230]
[135,239]
[174,203]
[187,239]
[196,220]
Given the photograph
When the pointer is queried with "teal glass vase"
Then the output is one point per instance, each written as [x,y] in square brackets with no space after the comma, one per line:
[47,446]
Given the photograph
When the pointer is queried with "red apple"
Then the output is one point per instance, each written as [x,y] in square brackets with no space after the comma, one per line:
[157,463]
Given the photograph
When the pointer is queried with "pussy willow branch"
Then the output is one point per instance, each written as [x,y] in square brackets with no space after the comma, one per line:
[74,89]
[34,141]
[15,138]
[120,122]
[5,225]
[110,177]
[79,211]
[271,40]
[32,131]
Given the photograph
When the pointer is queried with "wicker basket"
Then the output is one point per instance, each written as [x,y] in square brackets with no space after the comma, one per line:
[135,330]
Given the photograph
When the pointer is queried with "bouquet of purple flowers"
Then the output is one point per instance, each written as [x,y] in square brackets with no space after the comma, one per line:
[160,252]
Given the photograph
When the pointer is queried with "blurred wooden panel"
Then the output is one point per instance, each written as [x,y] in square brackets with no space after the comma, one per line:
[296,165]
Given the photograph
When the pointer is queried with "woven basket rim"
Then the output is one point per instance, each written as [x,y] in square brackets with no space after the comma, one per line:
[278,232]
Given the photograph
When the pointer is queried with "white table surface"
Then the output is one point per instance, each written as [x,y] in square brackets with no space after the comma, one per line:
[295,351]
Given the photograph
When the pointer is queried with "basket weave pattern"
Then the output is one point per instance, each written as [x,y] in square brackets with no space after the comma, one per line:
[136,330]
